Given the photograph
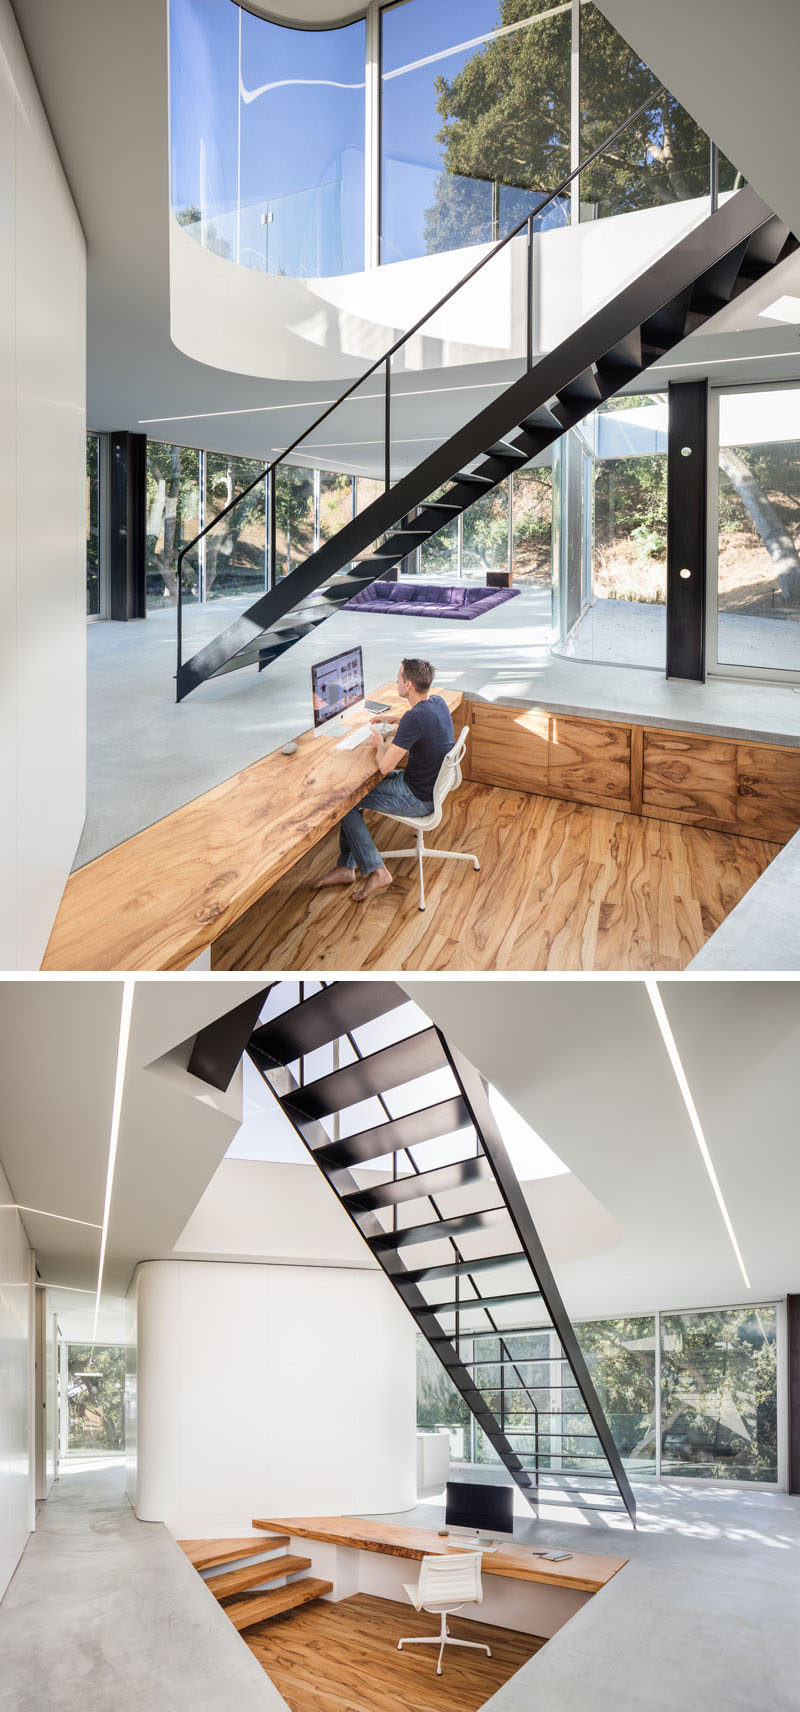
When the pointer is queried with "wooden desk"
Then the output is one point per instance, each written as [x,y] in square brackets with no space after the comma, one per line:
[160,898]
[583,1572]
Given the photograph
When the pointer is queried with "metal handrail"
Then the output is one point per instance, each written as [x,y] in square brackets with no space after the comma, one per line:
[385,360]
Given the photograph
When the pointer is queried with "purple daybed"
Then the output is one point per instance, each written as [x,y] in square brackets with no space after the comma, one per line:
[429,600]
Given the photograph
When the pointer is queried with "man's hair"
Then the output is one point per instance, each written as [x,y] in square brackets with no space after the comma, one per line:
[419,673]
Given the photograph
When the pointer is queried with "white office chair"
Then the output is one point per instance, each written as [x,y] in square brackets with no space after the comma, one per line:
[449,778]
[445,1584]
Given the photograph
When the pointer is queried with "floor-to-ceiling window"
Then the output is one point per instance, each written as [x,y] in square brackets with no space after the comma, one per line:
[173,499]
[755,618]
[93,525]
[267,128]
[475,111]
[719,1394]
[235,551]
[623,535]
[95,1392]
[690,1394]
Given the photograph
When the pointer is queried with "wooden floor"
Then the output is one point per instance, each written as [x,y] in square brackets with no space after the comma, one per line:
[343,1658]
[562,886]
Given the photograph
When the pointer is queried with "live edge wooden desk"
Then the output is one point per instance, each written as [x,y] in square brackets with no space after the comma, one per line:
[523,1592]
[162,897]
[584,1572]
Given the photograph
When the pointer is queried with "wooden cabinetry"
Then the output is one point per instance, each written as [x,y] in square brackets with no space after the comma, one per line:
[689,778]
[508,746]
[590,760]
[752,789]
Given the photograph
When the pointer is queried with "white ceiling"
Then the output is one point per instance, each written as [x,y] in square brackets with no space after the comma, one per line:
[584,1062]
[112,135]
[58,1051]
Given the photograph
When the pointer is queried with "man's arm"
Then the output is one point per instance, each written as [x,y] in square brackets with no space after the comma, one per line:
[389,755]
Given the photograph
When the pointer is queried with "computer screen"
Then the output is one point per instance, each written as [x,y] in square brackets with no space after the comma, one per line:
[337,684]
[490,1508]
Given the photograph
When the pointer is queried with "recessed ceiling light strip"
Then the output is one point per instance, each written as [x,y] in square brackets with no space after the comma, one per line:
[17,1207]
[680,1076]
[116,1113]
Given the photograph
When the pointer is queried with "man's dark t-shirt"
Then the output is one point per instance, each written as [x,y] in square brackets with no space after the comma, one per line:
[426,731]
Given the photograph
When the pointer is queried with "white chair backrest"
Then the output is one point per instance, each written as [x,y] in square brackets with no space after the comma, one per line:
[454,1577]
[449,776]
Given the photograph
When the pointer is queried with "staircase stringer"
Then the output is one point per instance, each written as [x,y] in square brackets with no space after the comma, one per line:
[474,1093]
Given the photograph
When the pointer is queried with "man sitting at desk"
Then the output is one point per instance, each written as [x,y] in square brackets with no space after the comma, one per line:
[424,733]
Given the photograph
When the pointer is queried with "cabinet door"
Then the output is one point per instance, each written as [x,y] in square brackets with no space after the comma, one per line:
[508,746]
[768,804]
[689,778]
[590,760]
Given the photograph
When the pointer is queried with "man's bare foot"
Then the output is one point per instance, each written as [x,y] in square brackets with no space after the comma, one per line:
[377,881]
[337,877]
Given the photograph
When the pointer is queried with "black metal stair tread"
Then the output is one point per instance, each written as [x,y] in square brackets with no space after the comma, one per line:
[380,1071]
[437,1231]
[462,1306]
[444,1118]
[466,477]
[336,1010]
[418,1186]
[502,449]
[460,1268]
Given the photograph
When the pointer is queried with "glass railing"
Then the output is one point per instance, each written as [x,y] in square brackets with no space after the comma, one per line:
[300,235]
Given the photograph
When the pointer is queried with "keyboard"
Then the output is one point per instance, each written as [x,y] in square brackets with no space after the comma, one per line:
[354,738]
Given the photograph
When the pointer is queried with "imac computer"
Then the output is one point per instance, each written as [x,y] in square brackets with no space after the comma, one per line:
[479,1509]
[336,685]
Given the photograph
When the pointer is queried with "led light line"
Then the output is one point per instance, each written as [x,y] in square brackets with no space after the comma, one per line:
[682,1081]
[17,1207]
[116,1113]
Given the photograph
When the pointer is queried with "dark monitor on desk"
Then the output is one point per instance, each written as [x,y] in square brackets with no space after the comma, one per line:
[337,684]
[485,1509]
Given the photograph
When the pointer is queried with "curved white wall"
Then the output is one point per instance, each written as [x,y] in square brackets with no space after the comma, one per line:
[270,1390]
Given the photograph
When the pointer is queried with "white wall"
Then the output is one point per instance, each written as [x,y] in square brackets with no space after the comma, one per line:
[42,515]
[45,1395]
[16,1294]
[270,1390]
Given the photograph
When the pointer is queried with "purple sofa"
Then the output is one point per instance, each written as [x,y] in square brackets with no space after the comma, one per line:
[429,600]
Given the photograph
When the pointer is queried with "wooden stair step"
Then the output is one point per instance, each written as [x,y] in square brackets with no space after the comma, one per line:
[259,1607]
[272,1569]
[207,1554]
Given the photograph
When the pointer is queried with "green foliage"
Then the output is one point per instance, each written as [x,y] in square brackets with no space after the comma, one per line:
[95,1393]
[648,541]
[505,121]
[776,467]
[718,1391]
[718,1387]
[630,499]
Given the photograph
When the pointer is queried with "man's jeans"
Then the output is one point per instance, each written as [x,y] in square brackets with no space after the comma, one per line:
[391,796]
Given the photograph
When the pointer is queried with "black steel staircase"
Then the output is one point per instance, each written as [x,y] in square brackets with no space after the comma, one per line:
[444,1214]
[738,243]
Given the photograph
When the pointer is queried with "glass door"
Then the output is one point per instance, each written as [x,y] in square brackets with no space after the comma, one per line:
[754,549]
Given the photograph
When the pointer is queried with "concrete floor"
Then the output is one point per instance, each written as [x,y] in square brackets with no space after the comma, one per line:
[704,1617]
[147,756]
[105,1612]
[634,633]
